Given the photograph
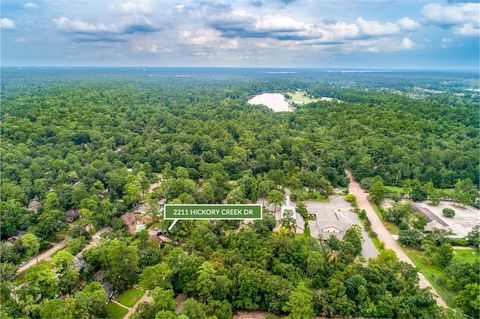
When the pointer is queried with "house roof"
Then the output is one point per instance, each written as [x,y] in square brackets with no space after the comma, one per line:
[99,275]
[108,287]
[342,226]
[435,224]
[34,204]
[128,218]
[71,215]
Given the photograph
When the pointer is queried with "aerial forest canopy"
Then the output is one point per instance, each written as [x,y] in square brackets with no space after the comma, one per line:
[95,141]
[72,138]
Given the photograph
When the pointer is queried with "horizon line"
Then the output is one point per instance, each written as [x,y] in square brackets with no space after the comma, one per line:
[244,67]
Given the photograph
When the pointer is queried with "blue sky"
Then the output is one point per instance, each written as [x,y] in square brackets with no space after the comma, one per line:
[404,34]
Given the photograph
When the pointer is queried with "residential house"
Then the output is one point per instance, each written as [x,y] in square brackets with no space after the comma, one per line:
[71,215]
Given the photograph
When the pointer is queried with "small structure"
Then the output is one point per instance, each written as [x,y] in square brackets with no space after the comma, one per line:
[34,205]
[136,222]
[129,220]
[99,276]
[141,208]
[436,225]
[78,262]
[71,215]
[158,236]
[18,235]
[293,210]
[108,287]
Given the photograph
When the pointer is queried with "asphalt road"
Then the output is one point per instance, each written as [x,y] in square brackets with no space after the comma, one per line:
[383,234]
[45,255]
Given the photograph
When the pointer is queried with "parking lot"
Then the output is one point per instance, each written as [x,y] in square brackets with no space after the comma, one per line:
[464,220]
[338,208]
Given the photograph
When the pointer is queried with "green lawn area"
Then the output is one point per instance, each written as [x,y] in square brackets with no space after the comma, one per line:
[393,189]
[448,192]
[130,297]
[467,255]
[300,97]
[433,273]
[114,311]
[377,243]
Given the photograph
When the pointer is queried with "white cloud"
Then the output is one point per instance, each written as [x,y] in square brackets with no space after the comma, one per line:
[136,6]
[7,24]
[242,24]
[202,37]
[67,25]
[154,48]
[207,38]
[445,43]
[406,23]
[96,31]
[464,18]
[30,5]
[375,28]
[407,44]
[279,23]
[468,29]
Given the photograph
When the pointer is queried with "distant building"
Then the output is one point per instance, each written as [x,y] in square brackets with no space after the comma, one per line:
[108,287]
[99,276]
[34,205]
[329,222]
[436,225]
[298,218]
[136,222]
[71,215]
[78,262]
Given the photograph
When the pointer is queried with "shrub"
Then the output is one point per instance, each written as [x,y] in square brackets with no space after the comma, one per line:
[448,212]
[410,237]
[351,198]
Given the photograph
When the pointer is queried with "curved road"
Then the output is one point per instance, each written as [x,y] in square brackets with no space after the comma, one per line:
[383,234]
[45,255]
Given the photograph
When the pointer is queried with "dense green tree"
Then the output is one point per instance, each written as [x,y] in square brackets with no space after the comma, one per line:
[443,255]
[121,262]
[473,236]
[300,302]
[275,198]
[469,300]
[91,301]
[31,243]
[377,192]
[410,237]
[156,276]
[354,236]
[58,309]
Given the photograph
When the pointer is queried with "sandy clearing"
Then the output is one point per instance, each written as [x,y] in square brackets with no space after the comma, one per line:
[275,101]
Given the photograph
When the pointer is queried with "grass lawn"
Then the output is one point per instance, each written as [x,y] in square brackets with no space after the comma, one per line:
[300,97]
[467,255]
[130,297]
[377,243]
[392,228]
[114,311]
[433,273]
[393,189]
